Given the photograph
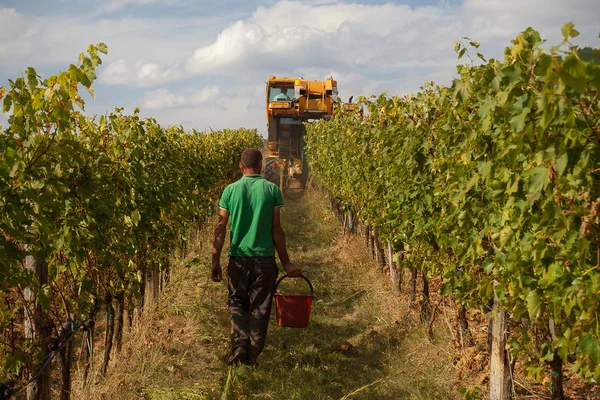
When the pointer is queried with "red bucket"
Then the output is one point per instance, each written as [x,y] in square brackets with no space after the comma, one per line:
[293,310]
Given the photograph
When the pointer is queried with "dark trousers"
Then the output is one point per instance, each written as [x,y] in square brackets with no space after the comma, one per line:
[251,286]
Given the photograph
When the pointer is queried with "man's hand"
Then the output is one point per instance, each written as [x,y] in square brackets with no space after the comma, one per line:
[292,270]
[217,272]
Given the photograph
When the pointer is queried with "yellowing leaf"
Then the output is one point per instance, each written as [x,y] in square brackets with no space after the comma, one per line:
[534,305]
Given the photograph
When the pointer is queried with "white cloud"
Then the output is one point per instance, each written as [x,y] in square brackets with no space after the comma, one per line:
[205,95]
[330,34]
[233,109]
[117,5]
[163,98]
[292,37]
[143,73]
[57,40]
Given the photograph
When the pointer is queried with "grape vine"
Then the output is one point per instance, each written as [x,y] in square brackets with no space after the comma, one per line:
[492,184]
[97,205]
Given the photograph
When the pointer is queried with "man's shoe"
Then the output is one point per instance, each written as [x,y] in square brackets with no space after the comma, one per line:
[250,362]
[238,357]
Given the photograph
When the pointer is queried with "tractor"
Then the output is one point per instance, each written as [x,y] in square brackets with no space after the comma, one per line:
[289,103]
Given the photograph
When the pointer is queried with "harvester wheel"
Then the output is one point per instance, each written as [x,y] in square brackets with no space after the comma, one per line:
[272,174]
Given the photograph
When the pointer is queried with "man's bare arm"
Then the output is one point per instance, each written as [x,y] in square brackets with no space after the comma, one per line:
[220,232]
[279,242]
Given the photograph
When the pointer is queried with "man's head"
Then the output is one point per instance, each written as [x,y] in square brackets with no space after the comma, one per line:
[251,161]
[284,91]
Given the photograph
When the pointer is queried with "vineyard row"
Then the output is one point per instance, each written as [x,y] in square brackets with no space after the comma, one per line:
[91,212]
[491,185]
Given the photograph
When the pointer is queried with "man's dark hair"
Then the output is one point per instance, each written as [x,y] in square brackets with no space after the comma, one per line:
[251,158]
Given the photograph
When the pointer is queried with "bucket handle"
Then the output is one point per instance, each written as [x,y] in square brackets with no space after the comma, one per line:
[312,291]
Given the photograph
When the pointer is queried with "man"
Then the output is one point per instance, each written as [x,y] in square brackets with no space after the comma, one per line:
[282,96]
[254,205]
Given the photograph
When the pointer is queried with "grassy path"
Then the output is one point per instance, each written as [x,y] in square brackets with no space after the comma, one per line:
[362,342]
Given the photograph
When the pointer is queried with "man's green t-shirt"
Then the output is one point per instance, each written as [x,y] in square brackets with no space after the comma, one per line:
[251,202]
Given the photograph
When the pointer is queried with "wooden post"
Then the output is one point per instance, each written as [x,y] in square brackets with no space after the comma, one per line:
[39,331]
[372,242]
[152,283]
[351,228]
[500,382]
[556,380]
[88,342]
[380,254]
[399,270]
[66,359]
[108,336]
[392,264]
[413,284]
[142,264]
[425,299]
[130,312]
[119,320]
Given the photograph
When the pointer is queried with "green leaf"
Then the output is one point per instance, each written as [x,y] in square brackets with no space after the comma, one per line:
[84,79]
[534,305]
[538,178]
[102,48]
[547,353]
[485,108]
[568,30]
[461,90]
[518,121]
[37,185]
[488,265]
[543,65]
[590,346]
[135,217]
[505,234]
[573,73]
[6,104]
[500,258]
[561,163]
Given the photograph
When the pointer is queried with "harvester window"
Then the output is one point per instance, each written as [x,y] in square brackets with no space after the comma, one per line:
[281,94]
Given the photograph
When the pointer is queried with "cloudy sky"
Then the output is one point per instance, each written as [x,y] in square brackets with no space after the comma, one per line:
[204,63]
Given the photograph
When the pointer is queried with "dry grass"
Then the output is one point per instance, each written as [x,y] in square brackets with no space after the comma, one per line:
[175,351]
[363,341]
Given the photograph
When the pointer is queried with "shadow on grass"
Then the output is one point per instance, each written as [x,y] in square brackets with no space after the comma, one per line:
[346,352]
[321,363]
